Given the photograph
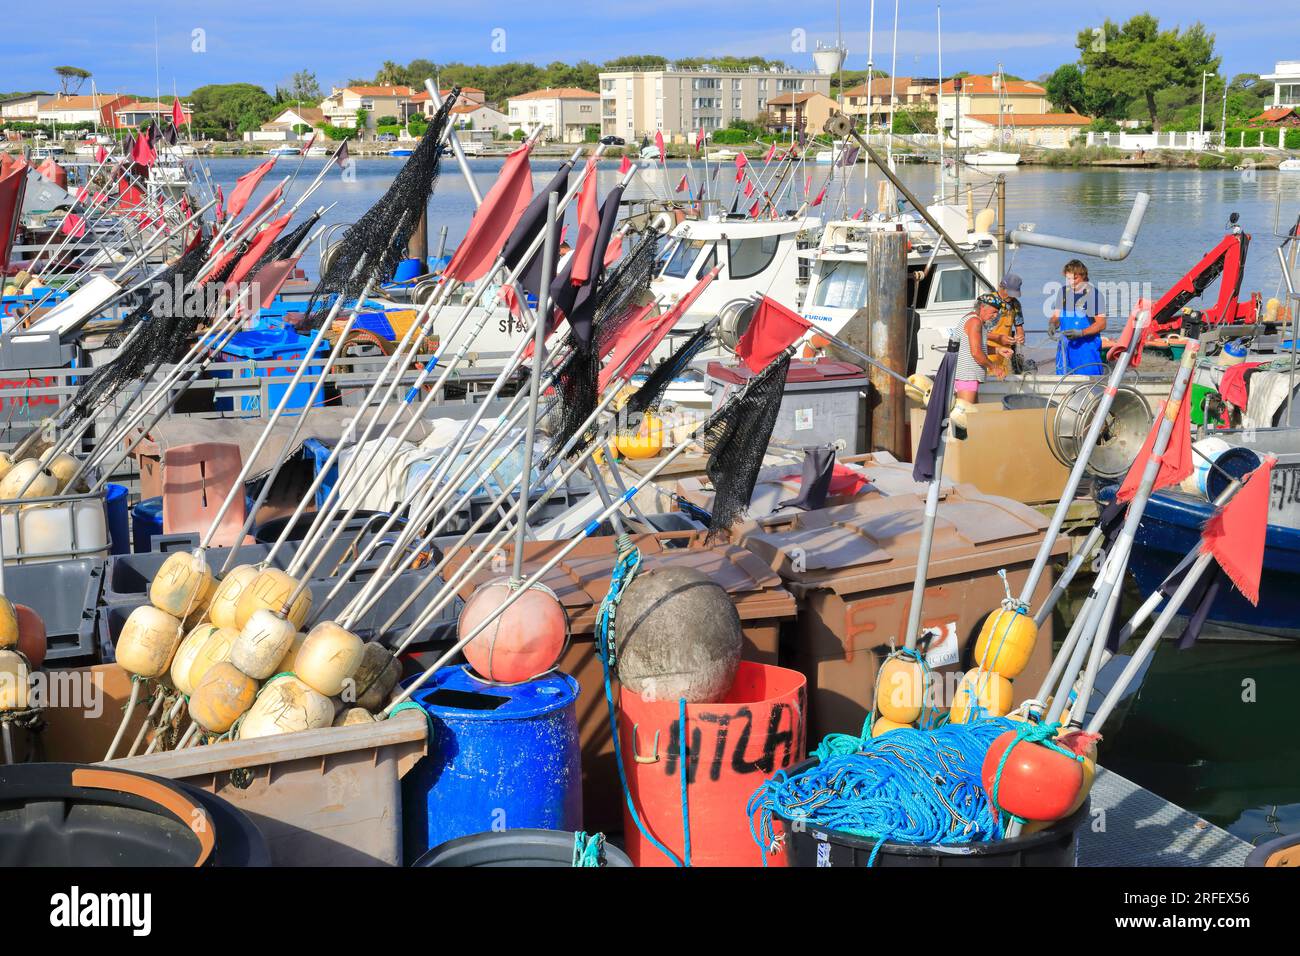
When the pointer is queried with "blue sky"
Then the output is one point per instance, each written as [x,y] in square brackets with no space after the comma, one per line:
[265,43]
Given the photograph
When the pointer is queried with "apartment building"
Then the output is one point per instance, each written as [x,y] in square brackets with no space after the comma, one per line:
[637,103]
[564,112]
[989,95]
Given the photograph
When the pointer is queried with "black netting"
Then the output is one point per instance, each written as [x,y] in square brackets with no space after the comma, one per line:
[627,286]
[286,245]
[736,438]
[650,393]
[166,325]
[373,246]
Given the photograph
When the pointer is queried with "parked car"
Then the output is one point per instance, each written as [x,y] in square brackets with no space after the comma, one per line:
[386,138]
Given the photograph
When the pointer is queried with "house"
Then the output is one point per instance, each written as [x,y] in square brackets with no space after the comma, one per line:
[469,96]
[563,112]
[341,107]
[1286,83]
[135,115]
[23,109]
[680,101]
[1048,130]
[98,109]
[1277,116]
[883,96]
[789,112]
[982,95]
[481,117]
[284,126]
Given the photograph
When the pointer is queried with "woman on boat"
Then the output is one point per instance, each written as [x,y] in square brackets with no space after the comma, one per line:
[1081,317]
[973,360]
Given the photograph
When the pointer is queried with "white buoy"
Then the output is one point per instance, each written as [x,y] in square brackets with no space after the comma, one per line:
[30,475]
[187,654]
[216,650]
[225,600]
[261,644]
[328,658]
[286,705]
[148,640]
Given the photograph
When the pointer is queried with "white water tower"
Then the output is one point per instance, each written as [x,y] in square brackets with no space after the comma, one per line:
[828,59]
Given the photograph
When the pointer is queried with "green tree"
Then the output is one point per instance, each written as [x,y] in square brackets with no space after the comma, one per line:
[1131,64]
[390,74]
[637,62]
[71,78]
[1065,90]
[229,108]
[304,88]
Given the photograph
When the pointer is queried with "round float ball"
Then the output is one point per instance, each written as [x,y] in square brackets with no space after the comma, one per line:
[678,636]
[188,652]
[883,725]
[32,643]
[63,466]
[148,640]
[42,481]
[225,599]
[376,676]
[1006,642]
[215,650]
[182,584]
[15,680]
[900,689]
[981,693]
[1037,783]
[1084,744]
[6,463]
[523,642]
[352,716]
[222,697]
[8,623]
[285,706]
[269,590]
[261,644]
[646,441]
[328,658]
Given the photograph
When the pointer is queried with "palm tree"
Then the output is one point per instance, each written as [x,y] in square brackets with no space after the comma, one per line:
[390,74]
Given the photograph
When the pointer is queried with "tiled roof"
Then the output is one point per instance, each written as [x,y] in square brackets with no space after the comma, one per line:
[559,92]
[1031,119]
[984,85]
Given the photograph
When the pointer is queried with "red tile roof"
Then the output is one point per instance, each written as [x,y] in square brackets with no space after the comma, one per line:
[381,90]
[1032,119]
[984,85]
[1275,114]
[559,92]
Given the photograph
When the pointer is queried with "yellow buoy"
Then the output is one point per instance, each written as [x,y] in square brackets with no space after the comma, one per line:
[216,650]
[182,584]
[900,689]
[291,654]
[63,466]
[148,640]
[15,681]
[38,480]
[1006,641]
[190,648]
[376,676]
[222,697]
[269,590]
[6,463]
[8,623]
[225,599]
[328,658]
[883,725]
[919,387]
[984,689]
[284,706]
[645,442]
[262,643]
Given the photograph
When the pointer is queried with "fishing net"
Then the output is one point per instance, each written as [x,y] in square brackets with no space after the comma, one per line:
[627,286]
[373,246]
[166,324]
[651,392]
[736,438]
[576,391]
[286,245]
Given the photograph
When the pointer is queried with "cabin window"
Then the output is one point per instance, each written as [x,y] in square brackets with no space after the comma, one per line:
[679,263]
[843,285]
[749,257]
[709,262]
[954,285]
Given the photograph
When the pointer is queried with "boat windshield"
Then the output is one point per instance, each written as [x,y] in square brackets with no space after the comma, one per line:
[679,263]
[842,286]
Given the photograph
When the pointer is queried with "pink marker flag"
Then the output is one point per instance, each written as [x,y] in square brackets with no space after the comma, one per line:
[73,225]
[624,166]
[681,186]
[269,200]
[807,186]
[771,151]
[256,248]
[588,226]
[178,114]
[699,139]
[101,154]
[245,186]
[494,220]
[638,338]
[659,143]
[820,196]
[614,250]
[749,188]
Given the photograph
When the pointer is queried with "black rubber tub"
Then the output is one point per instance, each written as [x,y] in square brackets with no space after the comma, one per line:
[521,847]
[1281,851]
[815,846]
[64,814]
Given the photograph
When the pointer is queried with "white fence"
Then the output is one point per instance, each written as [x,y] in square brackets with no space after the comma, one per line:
[1136,141]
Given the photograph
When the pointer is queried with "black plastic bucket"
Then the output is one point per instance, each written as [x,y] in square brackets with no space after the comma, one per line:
[64,814]
[521,847]
[815,846]
[1282,851]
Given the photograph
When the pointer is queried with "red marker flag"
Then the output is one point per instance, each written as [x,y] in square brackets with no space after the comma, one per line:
[772,330]
[807,186]
[494,220]
[73,225]
[142,151]
[1176,463]
[753,210]
[178,114]
[614,251]
[749,188]
[256,248]
[624,166]
[245,186]
[820,196]
[221,205]
[1235,535]
[681,186]
[101,154]
[659,144]
[771,151]
[699,139]
[588,226]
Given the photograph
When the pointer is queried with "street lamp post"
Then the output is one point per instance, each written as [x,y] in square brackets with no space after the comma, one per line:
[1204,76]
[1223,119]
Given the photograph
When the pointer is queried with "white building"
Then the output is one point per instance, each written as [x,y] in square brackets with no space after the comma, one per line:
[284,126]
[342,106]
[23,109]
[1048,130]
[93,110]
[637,103]
[1286,83]
[564,112]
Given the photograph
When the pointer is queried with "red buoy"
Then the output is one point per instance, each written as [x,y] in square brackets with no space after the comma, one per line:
[524,642]
[31,635]
[1038,783]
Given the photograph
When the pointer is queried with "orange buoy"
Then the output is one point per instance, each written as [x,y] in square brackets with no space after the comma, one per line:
[981,693]
[883,725]
[223,696]
[223,608]
[522,643]
[900,689]
[1037,783]
[1006,641]
[32,642]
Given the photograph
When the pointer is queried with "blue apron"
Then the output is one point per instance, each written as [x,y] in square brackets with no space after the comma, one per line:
[1081,356]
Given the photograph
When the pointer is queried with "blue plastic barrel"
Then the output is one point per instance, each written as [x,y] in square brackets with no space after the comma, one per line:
[408,270]
[119,519]
[500,757]
[146,521]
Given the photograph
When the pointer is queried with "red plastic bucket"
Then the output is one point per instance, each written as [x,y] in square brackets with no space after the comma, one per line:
[733,746]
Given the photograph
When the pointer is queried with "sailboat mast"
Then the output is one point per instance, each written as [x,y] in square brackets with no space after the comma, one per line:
[938,117]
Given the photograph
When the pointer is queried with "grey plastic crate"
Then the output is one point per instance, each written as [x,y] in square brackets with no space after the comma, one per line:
[65,595]
[129,575]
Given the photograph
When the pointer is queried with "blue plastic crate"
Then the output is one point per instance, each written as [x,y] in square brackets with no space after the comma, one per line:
[272,345]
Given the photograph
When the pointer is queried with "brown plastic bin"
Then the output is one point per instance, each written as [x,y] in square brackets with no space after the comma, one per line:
[851,567]
[329,797]
[581,580]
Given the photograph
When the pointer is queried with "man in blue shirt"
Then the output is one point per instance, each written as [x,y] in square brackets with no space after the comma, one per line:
[1080,315]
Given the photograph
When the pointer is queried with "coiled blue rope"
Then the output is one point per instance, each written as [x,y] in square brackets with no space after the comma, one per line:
[910,786]
[588,850]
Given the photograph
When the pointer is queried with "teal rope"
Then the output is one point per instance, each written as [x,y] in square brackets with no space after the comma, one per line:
[625,568]
[686,812]
[588,850]
[1027,733]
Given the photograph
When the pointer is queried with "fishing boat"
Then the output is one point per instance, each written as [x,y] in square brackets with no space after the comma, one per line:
[318,151]
[283,151]
[400,151]
[991,157]
[1289,165]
